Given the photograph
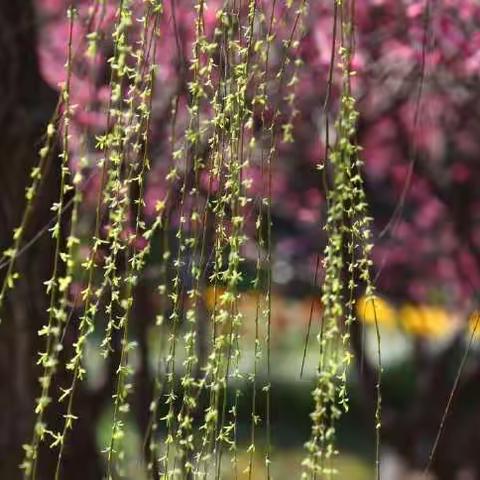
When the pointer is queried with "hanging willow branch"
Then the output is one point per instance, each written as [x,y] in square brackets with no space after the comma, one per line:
[346,265]
[238,69]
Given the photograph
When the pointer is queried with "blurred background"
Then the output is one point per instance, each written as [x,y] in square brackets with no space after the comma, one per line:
[417,78]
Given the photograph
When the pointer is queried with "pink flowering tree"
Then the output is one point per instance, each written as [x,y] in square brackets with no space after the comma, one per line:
[417,65]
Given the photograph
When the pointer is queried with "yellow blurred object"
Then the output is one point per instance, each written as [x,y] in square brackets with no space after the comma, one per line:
[422,320]
[212,295]
[474,324]
[371,309]
[425,320]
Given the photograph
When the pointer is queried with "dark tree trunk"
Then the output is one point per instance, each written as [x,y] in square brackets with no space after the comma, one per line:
[26,106]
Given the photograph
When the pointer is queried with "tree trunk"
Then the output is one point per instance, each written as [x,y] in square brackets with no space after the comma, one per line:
[25,109]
